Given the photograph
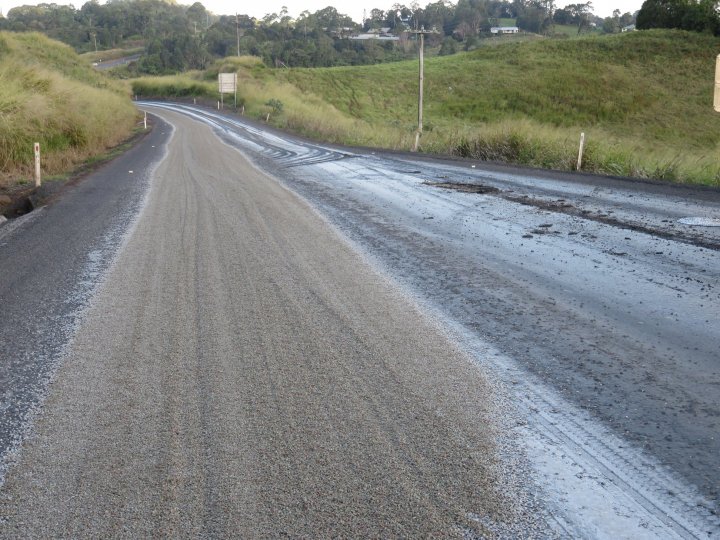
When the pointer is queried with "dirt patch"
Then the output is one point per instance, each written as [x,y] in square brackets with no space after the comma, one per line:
[569,209]
[564,207]
[464,188]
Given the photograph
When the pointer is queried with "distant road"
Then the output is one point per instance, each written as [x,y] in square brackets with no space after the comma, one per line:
[495,351]
[108,64]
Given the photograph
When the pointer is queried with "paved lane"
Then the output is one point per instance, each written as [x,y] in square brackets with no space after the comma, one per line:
[243,372]
[587,296]
[50,262]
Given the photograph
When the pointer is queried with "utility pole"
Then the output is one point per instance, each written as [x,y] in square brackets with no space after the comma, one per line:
[237,31]
[421,55]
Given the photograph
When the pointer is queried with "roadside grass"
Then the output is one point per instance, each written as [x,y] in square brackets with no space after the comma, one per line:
[175,86]
[644,100]
[49,95]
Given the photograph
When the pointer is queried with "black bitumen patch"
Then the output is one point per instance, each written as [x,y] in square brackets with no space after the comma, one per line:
[49,267]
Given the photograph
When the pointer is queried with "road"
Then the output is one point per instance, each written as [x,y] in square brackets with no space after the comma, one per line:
[109,64]
[323,341]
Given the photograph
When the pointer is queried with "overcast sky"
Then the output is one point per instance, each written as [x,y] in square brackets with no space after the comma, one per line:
[353,8]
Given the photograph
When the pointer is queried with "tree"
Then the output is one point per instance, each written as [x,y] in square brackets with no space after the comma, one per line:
[449,46]
[693,15]
[198,15]
[661,14]
[580,14]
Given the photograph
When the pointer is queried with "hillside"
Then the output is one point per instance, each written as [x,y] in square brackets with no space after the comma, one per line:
[49,95]
[645,91]
[644,100]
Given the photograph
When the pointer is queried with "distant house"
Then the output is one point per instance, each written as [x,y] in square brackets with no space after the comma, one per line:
[504,30]
[628,28]
[380,34]
[374,36]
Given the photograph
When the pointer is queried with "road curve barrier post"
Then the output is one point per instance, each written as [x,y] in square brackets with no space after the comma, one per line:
[37,164]
[716,97]
[580,152]
[145,120]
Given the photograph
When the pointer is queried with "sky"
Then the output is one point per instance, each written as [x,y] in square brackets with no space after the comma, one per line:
[352,8]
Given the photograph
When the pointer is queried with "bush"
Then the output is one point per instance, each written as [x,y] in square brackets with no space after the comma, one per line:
[275,104]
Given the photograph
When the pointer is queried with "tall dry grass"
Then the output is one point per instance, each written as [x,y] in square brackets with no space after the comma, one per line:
[48,95]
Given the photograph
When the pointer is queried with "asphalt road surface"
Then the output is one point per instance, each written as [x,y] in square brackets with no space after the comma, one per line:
[243,372]
[328,342]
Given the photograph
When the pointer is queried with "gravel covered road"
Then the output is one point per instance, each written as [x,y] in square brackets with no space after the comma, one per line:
[242,371]
[326,341]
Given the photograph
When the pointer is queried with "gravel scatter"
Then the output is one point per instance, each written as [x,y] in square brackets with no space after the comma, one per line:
[244,373]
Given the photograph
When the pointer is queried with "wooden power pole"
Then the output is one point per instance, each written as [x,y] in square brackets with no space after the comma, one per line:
[421,55]
[237,32]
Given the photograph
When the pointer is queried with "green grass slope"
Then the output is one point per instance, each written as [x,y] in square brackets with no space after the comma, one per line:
[644,100]
[49,95]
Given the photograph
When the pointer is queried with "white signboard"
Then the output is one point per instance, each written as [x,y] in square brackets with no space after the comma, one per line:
[227,83]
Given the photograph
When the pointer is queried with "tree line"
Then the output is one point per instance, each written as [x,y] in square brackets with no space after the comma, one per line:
[692,15]
[177,37]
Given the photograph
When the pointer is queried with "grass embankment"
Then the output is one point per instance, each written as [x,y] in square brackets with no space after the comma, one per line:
[644,100]
[49,95]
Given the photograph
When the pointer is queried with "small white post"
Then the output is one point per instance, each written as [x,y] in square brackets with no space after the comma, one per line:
[218,105]
[194,101]
[242,111]
[580,153]
[267,118]
[37,165]
[145,120]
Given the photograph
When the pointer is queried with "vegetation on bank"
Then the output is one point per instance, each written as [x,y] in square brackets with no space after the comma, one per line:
[49,95]
[177,37]
[644,100]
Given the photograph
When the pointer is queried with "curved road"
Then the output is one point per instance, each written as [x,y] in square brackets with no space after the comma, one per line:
[474,341]
[243,372]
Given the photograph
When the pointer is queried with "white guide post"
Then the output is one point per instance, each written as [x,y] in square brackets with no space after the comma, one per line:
[37,165]
[580,153]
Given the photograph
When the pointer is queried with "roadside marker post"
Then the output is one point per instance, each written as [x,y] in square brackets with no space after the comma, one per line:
[580,153]
[37,165]
[145,120]
[716,100]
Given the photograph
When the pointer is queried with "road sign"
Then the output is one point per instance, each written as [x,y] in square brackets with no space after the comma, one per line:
[227,83]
